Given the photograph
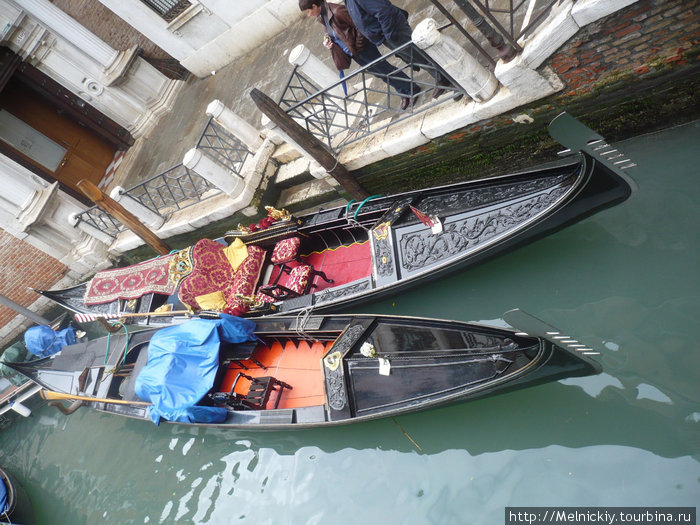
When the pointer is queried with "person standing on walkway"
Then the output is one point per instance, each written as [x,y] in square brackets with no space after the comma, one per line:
[384,23]
[346,43]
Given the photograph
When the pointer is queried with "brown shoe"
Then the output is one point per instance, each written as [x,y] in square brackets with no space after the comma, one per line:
[440,90]
[408,101]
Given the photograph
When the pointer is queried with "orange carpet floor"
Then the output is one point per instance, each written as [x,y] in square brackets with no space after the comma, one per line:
[297,365]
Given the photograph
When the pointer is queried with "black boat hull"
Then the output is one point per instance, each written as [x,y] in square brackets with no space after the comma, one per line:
[429,363]
[482,219]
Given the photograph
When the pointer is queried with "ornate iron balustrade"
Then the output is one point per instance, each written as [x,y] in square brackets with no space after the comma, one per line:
[222,147]
[101,220]
[496,21]
[527,14]
[168,10]
[172,190]
[364,102]
[167,192]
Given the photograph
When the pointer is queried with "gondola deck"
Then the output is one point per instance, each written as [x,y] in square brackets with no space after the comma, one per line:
[367,250]
[320,371]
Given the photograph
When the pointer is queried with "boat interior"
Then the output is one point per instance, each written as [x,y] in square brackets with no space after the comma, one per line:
[290,371]
[288,368]
[340,264]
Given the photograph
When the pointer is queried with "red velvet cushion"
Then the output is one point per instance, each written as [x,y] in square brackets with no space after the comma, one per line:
[213,272]
[299,278]
[246,277]
[285,250]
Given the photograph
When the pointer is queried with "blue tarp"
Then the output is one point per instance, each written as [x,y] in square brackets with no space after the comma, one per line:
[42,341]
[182,365]
[3,497]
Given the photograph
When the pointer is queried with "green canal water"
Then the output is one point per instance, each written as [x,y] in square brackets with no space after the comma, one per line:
[624,282]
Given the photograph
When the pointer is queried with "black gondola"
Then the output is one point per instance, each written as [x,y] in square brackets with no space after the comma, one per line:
[317,371]
[363,251]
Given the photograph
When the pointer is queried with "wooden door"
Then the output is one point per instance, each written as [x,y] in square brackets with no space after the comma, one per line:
[84,155]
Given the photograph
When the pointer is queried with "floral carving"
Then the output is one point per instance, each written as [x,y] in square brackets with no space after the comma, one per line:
[476,197]
[331,294]
[422,248]
[335,382]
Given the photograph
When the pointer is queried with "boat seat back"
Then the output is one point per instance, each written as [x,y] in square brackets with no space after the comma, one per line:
[259,392]
[238,353]
[128,393]
[298,283]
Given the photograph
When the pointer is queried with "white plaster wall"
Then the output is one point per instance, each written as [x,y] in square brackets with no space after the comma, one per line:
[148,23]
[130,92]
[37,212]
[213,33]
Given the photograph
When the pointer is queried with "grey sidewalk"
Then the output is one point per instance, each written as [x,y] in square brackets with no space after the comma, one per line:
[266,68]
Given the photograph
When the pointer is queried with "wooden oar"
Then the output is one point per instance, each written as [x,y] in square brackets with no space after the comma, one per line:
[102,319]
[51,395]
[128,219]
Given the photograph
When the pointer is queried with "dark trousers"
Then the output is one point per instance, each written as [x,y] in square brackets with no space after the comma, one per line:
[399,38]
[385,71]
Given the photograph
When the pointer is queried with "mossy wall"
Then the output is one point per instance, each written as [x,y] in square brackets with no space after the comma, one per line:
[632,72]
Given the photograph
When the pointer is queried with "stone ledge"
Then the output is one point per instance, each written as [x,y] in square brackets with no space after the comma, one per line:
[304,195]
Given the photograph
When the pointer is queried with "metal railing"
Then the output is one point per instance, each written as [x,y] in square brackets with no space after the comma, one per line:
[167,192]
[101,220]
[527,14]
[219,145]
[365,102]
[172,190]
[168,10]
[495,21]
[177,187]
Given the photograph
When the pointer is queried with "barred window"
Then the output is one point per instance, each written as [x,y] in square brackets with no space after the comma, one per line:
[168,10]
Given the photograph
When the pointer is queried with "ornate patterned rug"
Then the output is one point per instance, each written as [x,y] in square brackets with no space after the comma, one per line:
[131,282]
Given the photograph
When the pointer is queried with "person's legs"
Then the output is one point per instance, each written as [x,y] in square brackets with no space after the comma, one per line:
[399,38]
[385,71]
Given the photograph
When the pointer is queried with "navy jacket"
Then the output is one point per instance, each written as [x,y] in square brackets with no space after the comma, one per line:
[376,19]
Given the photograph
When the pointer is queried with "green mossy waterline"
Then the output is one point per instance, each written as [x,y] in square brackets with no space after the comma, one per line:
[618,107]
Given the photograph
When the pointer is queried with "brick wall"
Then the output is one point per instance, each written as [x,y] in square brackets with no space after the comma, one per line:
[92,15]
[639,40]
[24,266]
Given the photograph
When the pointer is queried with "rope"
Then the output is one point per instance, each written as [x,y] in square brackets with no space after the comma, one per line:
[363,203]
[302,318]
[126,349]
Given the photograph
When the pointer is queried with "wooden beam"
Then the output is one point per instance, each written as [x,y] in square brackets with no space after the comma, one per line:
[116,210]
[309,143]
[26,312]
[50,395]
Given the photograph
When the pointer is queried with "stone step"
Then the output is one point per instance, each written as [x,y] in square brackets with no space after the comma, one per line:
[306,195]
[293,173]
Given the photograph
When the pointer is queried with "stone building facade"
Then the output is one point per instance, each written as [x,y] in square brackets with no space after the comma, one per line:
[108,27]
